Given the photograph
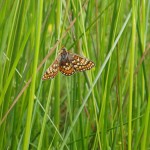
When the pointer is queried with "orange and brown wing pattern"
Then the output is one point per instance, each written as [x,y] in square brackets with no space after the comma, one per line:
[81,63]
[67,69]
[67,63]
[52,71]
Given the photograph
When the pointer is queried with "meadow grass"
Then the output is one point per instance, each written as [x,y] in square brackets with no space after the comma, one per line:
[106,107]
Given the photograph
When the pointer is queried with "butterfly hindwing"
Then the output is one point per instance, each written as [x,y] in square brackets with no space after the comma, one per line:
[67,68]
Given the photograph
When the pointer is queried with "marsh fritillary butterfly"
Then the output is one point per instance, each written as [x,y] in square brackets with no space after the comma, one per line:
[67,63]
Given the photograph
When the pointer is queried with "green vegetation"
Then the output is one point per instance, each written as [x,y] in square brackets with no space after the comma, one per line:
[107,107]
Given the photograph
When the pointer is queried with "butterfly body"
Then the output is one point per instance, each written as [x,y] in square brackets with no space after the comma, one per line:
[67,63]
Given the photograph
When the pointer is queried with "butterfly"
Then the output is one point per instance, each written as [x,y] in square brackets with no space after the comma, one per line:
[67,63]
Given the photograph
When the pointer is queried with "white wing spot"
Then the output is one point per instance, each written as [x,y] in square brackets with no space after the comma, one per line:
[82,61]
[55,65]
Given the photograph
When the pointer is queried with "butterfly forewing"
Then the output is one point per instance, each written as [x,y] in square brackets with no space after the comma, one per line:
[52,71]
[81,63]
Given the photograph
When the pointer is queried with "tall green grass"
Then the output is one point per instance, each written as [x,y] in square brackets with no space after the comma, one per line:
[107,107]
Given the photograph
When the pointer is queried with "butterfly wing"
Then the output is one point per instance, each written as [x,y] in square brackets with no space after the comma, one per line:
[52,71]
[67,68]
[80,63]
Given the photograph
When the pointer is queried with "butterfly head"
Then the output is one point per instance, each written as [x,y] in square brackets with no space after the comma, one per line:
[63,53]
[63,50]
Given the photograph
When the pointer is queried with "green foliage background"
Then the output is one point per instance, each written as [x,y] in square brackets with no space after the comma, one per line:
[107,107]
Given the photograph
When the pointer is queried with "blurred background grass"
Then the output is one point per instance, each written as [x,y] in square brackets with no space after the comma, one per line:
[105,108]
